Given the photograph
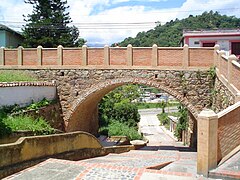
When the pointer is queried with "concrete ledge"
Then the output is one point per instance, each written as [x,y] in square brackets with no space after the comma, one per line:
[27,148]
[74,155]
[229,109]
[37,83]
[101,67]
[234,151]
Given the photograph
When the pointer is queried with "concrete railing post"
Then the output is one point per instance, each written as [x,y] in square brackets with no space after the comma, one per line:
[207,141]
[84,55]
[39,55]
[185,62]
[215,56]
[154,55]
[60,55]
[106,55]
[230,65]
[129,55]
[2,59]
[20,55]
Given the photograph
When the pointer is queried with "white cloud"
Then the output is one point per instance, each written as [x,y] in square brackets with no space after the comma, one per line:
[84,11]
[12,11]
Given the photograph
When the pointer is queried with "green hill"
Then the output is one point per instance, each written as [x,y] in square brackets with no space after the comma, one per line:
[170,33]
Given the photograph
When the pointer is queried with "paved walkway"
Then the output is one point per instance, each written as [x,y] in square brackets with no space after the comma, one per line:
[136,164]
[162,158]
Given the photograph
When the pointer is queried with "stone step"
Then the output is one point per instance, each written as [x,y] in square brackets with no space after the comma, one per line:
[229,169]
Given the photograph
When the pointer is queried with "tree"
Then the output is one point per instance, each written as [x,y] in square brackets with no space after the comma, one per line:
[182,122]
[48,25]
[170,33]
[117,105]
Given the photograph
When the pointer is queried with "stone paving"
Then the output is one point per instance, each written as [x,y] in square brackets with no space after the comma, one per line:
[229,169]
[131,165]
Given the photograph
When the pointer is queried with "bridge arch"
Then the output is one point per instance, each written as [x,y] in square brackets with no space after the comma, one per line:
[83,114]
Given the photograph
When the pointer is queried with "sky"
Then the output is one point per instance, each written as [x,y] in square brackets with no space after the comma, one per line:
[102,22]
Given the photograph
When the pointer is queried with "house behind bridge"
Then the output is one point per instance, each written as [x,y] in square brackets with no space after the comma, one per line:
[228,39]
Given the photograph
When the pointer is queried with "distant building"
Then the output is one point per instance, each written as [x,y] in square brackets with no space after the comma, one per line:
[229,40]
[9,37]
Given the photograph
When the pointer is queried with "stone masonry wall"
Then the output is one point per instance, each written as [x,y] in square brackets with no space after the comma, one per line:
[222,97]
[190,87]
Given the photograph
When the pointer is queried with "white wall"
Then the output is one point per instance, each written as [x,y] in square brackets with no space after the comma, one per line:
[222,41]
[24,95]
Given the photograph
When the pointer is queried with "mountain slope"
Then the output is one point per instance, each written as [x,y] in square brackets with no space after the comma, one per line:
[170,33]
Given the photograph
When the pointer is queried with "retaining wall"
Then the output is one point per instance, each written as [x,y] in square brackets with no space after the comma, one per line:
[23,93]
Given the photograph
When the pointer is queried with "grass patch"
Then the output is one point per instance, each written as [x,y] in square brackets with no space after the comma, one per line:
[147,105]
[24,122]
[155,105]
[116,128]
[15,76]
[12,119]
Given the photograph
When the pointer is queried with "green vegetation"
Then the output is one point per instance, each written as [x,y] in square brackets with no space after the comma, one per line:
[39,104]
[164,119]
[49,25]
[155,105]
[16,109]
[170,33]
[24,122]
[12,119]
[147,105]
[117,115]
[182,122]
[116,128]
[182,125]
[15,76]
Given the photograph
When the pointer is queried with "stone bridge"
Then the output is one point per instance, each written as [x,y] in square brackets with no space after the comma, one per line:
[84,75]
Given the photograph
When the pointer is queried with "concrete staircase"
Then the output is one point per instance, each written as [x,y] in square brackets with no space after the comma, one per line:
[229,169]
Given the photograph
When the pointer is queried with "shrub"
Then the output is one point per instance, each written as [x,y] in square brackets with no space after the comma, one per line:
[163,118]
[116,128]
[10,122]
[24,122]
[182,122]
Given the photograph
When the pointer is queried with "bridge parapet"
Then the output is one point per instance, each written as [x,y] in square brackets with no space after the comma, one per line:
[228,71]
[108,57]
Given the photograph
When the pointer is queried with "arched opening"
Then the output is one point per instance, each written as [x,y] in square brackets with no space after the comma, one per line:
[84,112]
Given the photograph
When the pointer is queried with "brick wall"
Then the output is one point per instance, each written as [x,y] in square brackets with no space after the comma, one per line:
[108,56]
[228,132]
[30,57]
[201,57]
[118,56]
[10,57]
[236,76]
[142,57]
[224,67]
[72,57]
[170,57]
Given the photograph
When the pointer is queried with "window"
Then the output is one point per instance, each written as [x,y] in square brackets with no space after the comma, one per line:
[208,44]
[236,48]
